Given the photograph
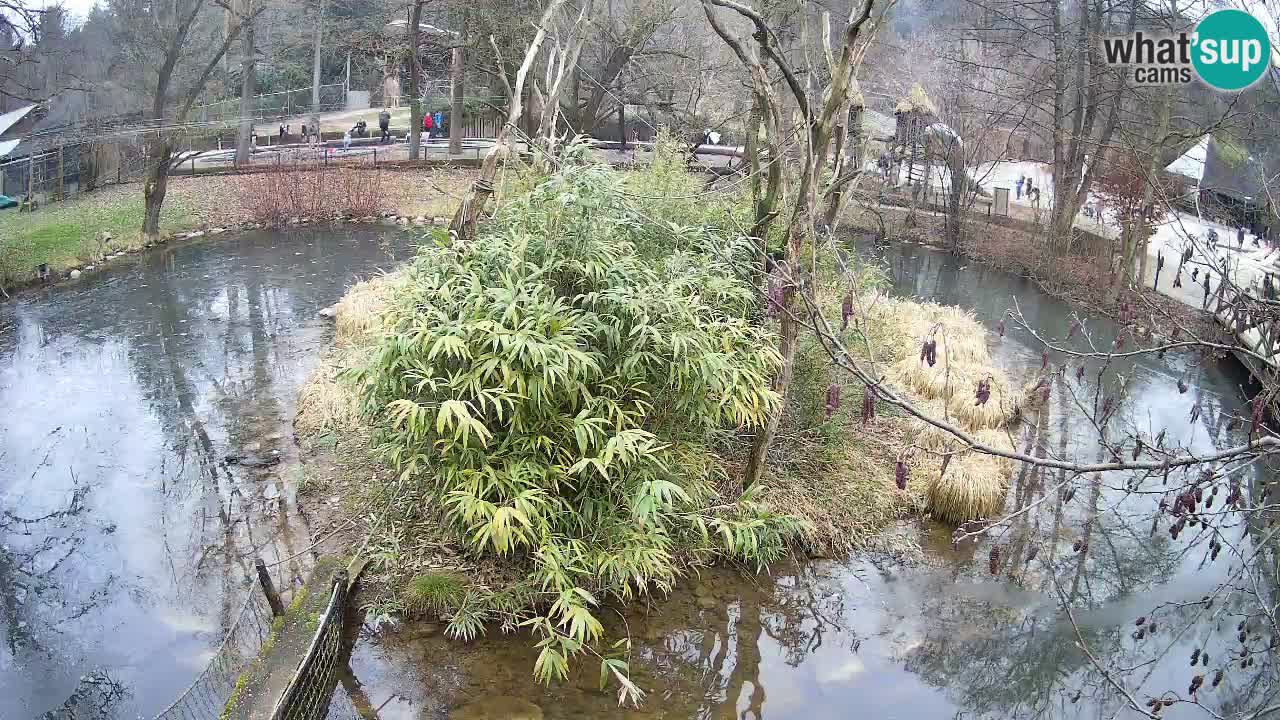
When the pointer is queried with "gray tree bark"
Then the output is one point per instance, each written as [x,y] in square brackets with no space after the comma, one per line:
[315,68]
[415,91]
[248,86]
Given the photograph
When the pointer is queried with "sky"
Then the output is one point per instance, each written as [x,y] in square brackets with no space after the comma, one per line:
[1265,10]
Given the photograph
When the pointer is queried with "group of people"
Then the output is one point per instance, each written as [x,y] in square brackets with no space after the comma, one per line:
[309,132]
[433,123]
[1025,185]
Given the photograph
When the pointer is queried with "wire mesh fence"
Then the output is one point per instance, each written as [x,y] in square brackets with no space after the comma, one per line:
[64,171]
[310,691]
[205,698]
[283,104]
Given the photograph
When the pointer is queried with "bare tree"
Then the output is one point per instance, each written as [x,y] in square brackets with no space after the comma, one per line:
[248,83]
[412,36]
[174,49]
[467,216]
[457,85]
[820,113]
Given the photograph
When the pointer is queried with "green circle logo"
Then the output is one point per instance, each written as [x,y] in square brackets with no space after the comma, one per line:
[1231,50]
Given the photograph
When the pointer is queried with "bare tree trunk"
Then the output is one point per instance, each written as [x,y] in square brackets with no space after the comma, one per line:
[457,81]
[415,92]
[154,187]
[248,83]
[788,334]
[463,227]
[315,68]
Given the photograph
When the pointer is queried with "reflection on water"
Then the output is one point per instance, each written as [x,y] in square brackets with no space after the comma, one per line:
[125,539]
[939,639]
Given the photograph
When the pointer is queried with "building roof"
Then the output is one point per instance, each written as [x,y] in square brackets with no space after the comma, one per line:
[423,28]
[877,125]
[1221,166]
[7,146]
[1191,164]
[13,117]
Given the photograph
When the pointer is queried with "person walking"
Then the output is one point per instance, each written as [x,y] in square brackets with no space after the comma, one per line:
[346,140]
[439,121]
[1155,284]
[427,124]
[1240,237]
[1022,179]
[306,134]
[384,124]
[1205,304]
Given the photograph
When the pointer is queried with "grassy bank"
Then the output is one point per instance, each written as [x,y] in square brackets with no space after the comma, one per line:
[72,234]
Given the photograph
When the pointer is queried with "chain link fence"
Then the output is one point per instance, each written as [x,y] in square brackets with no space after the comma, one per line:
[311,689]
[283,104]
[205,698]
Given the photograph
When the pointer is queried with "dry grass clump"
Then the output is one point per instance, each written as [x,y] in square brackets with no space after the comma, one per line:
[360,310]
[1003,406]
[974,484]
[325,402]
[972,487]
[916,101]
[844,491]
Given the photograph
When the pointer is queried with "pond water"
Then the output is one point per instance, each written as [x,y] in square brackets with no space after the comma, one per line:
[937,638]
[125,538]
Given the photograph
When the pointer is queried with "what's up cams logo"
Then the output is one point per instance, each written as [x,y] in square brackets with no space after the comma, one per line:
[1229,51]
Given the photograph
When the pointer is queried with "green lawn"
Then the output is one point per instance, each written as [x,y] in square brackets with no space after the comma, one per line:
[65,234]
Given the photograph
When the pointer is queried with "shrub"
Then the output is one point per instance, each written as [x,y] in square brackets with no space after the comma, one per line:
[297,190]
[435,592]
[556,390]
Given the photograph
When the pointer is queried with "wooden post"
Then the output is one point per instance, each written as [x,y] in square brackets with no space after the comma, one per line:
[622,124]
[268,587]
[61,176]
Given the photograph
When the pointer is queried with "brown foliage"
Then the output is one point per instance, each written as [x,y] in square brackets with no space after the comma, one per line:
[310,190]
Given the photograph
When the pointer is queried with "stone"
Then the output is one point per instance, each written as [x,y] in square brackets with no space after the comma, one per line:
[497,707]
[419,630]
[217,231]
[439,221]
[707,603]
[196,234]
[329,312]
[75,275]
[88,268]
